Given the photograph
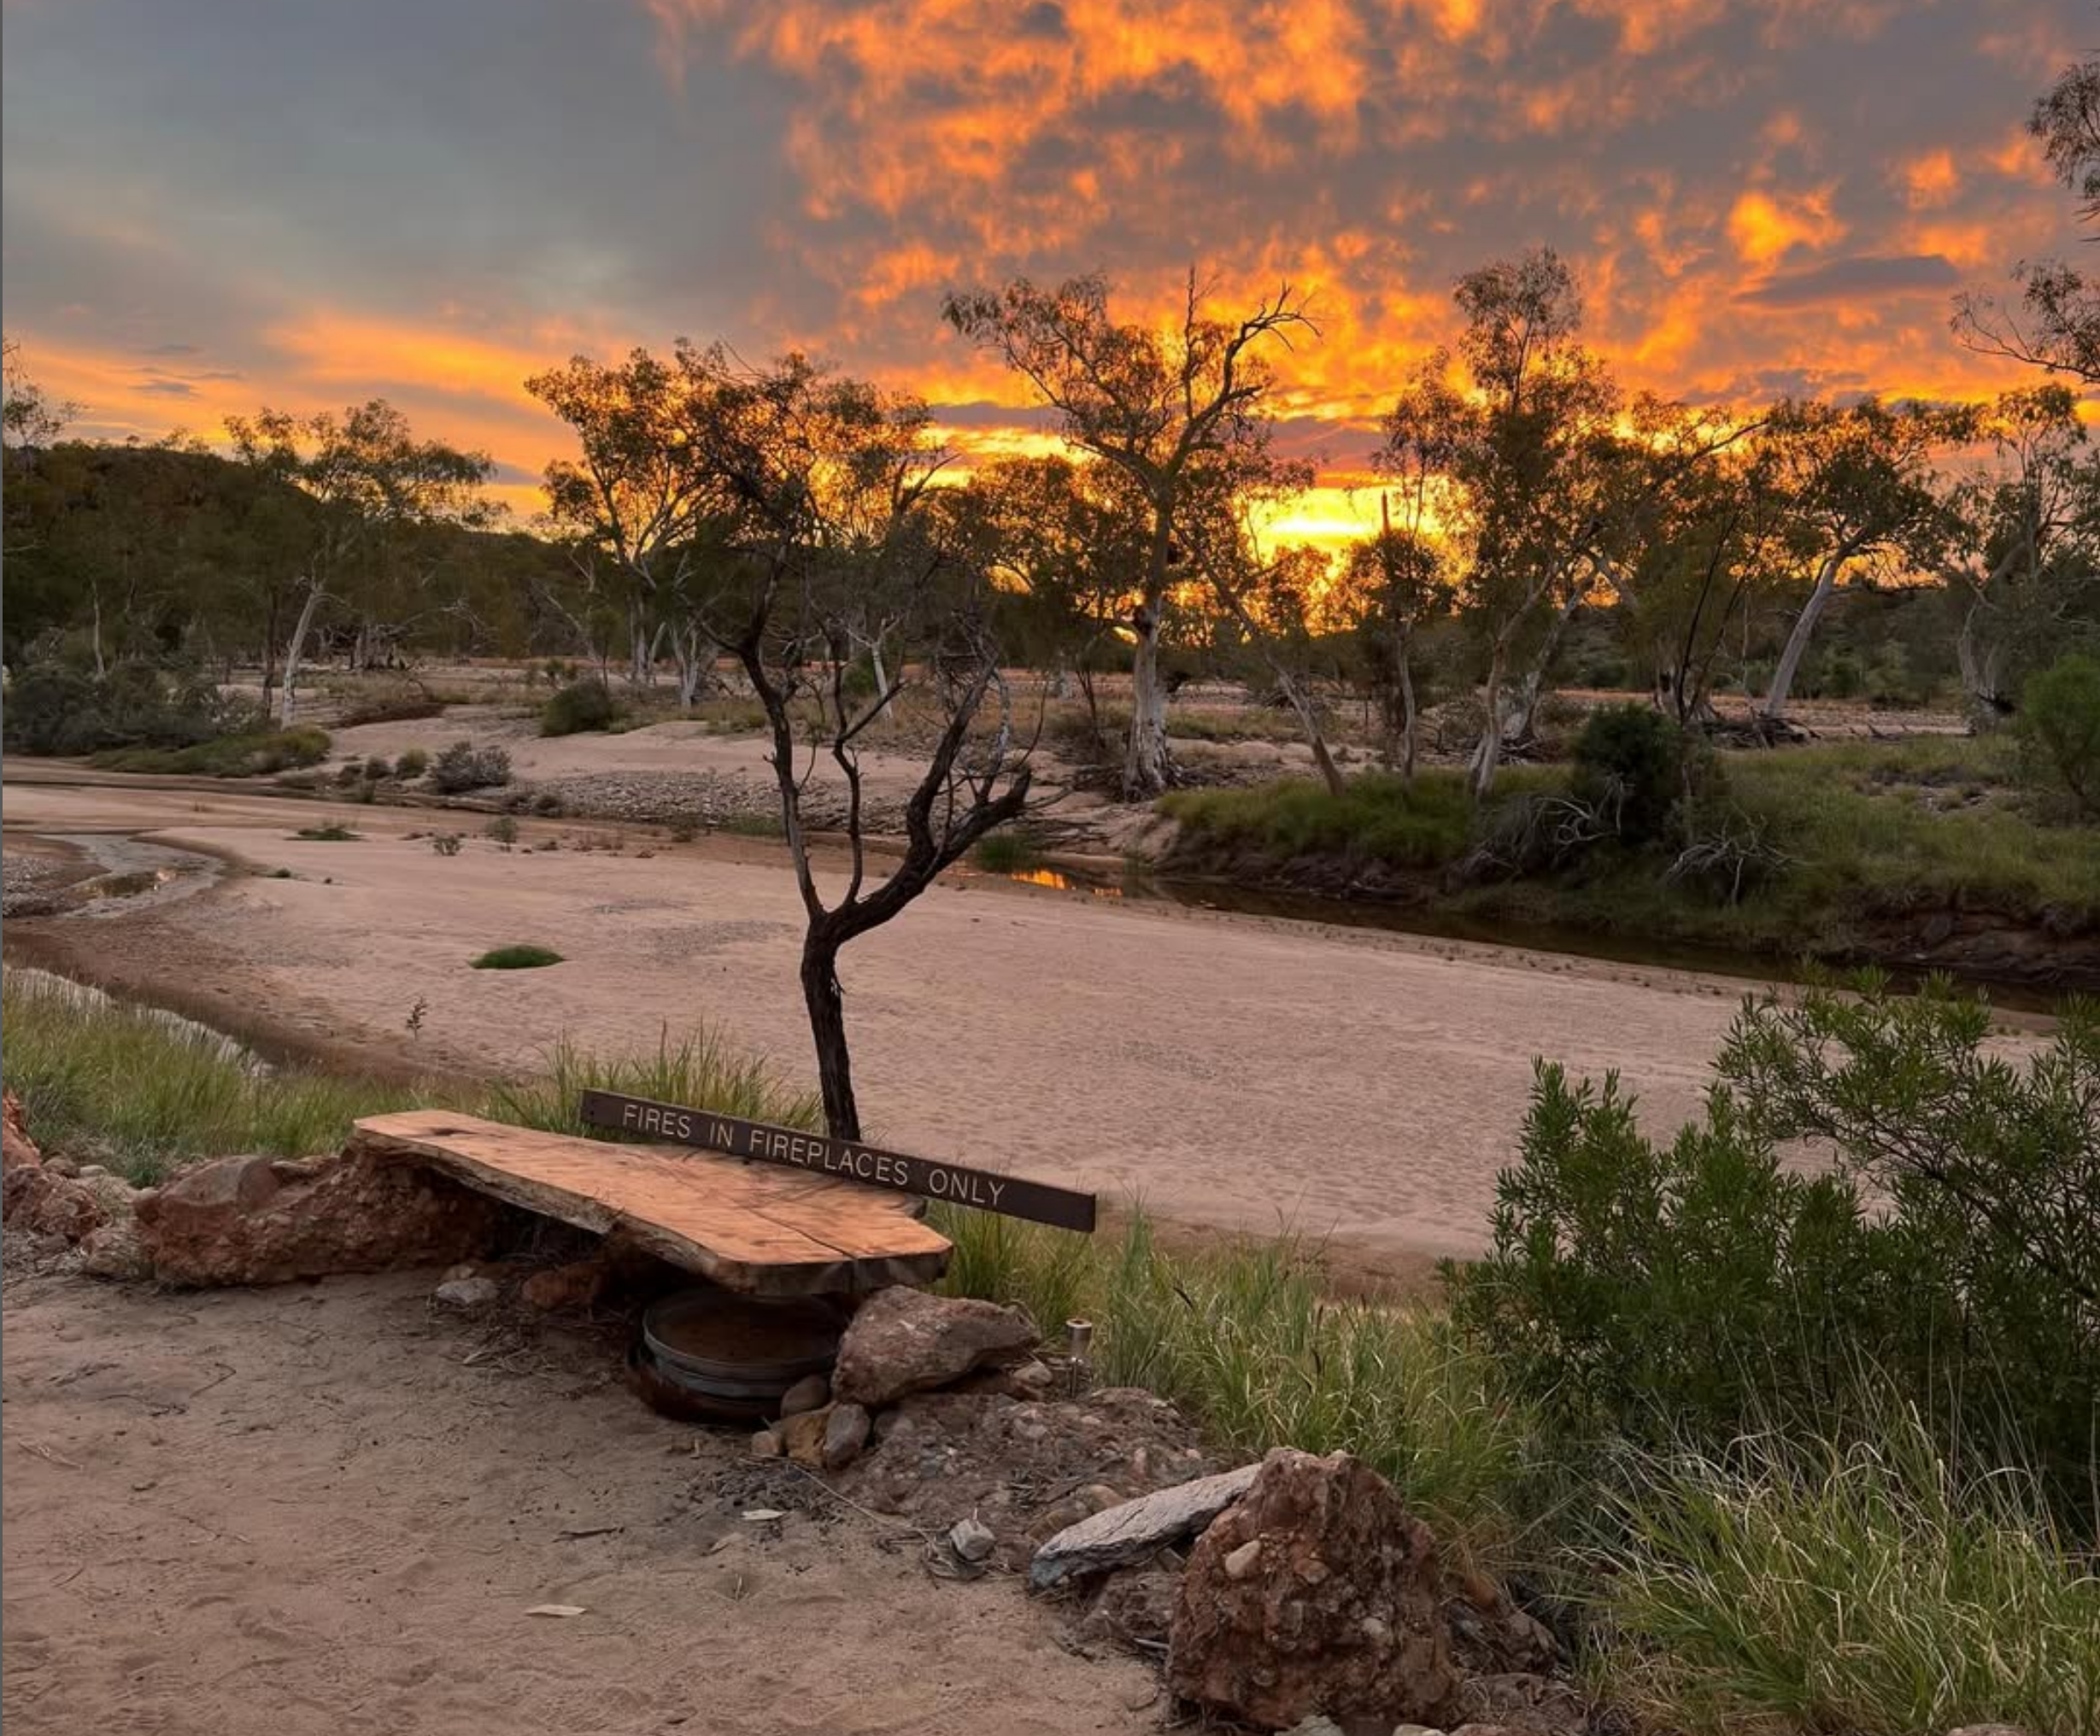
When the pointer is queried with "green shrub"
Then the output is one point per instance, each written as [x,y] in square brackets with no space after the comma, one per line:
[516,957]
[1630,761]
[1702,1289]
[2059,730]
[376,769]
[463,768]
[349,773]
[412,764]
[580,707]
[329,834]
[503,830]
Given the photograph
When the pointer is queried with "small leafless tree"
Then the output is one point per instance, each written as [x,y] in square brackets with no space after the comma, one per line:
[840,535]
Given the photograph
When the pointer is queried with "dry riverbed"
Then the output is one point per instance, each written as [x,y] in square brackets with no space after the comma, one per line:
[1230,1072]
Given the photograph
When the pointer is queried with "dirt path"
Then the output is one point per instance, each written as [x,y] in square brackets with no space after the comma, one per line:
[313,1509]
[1232,1072]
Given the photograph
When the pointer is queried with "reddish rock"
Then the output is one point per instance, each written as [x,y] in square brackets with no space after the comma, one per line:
[264,1221]
[112,1250]
[1336,1612]
[802,1436]
[559,1289]
[38,1201]
[904,1341]
[17,1150]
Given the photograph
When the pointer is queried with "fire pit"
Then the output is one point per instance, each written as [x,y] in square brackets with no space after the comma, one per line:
[709,1355]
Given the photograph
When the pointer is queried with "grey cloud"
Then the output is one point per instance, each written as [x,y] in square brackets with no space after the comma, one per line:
[1863,276]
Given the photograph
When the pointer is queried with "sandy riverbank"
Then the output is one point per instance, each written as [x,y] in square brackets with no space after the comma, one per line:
[322,1510]
[1231,1072]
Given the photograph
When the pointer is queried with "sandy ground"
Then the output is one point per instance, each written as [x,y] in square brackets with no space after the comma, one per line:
[1229,1072]
[323,1509]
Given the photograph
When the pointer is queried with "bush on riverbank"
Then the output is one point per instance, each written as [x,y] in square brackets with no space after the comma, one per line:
[1852,839]
[1377,819]
[254,755]
[54,708]
[1696,1292]
[579,708]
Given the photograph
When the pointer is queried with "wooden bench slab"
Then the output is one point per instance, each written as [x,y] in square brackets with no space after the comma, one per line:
[753,1228]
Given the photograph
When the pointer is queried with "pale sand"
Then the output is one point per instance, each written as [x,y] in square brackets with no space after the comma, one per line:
[305,1511]
[1230,1072]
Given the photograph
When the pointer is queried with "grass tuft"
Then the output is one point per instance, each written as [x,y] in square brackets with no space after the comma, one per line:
[330,834]
[1006,853]
[1873,1590]
[145,1092]
[700,1071]
[1244,1339]
[516,957]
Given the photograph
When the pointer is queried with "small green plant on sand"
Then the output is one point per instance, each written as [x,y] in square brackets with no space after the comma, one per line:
[516,957]
[445,843]
[330,834]
[504,830]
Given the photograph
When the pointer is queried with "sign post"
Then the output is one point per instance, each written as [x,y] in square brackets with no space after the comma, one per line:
[757,1142]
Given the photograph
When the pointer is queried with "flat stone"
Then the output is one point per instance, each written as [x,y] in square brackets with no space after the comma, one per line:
[1118,1536]
[468,1294]
[765,1444]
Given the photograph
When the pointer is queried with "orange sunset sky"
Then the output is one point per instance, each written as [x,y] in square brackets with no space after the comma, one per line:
[214,204]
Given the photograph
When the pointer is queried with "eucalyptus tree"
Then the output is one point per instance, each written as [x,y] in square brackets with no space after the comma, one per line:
[639,503]
[1180,413]
[1859,486]
[832,521]
[340,494]
[1516,432]
[1390,586]
[1066,542]
[2020,546]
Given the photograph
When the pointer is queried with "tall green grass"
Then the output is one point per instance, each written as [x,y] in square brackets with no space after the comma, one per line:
[1244,1340]
[146,1093]
[1377,819]
[1873,1590]
[700,1069]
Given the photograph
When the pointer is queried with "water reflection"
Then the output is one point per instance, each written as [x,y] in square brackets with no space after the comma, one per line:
[1062,881]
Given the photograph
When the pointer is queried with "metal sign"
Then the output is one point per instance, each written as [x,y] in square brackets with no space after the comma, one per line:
[757,1142]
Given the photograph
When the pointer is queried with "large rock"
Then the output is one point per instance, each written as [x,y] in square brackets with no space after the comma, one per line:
[904,1341]
[1135,1531]
[265,1221]
[1315,1593]
[37,1201]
